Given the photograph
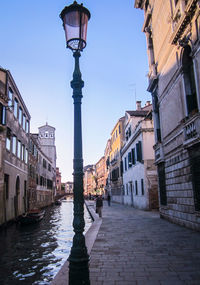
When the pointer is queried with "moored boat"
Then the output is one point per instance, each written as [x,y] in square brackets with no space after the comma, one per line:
[31,217]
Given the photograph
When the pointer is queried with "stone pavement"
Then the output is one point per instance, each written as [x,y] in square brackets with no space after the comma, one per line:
[137,247]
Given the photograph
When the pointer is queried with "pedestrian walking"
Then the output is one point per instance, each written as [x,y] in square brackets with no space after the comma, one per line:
[99,205]
[108,198]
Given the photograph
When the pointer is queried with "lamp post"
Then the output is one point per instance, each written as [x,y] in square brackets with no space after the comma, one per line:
[75,19]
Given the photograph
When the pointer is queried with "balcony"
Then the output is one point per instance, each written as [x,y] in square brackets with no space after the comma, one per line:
[114,160]
[192,130]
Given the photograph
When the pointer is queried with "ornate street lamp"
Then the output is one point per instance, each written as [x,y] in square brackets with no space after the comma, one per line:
[75,19]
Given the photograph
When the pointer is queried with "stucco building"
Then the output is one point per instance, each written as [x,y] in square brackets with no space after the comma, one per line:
[41,175]
[89,180]
[172,30]
[100,176]
[115,163]
[47,144]
[3,106]
[139,171]
[107,163]
[69,187]
[14,149]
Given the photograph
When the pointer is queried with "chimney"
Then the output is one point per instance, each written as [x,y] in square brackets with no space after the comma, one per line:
[138,105]
[148,103]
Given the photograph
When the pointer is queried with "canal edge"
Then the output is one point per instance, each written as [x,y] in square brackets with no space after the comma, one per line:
[93,230]
[61,277]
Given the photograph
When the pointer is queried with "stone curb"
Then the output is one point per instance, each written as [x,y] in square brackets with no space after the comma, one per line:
[61,277]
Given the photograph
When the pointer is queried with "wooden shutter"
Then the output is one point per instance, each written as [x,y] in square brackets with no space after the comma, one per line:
[121,167]
[139,151]
[129,160]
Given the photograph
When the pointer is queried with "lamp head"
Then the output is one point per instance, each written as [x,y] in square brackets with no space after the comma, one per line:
[75,19]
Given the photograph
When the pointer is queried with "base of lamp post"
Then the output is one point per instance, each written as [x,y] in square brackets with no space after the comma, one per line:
[79,273]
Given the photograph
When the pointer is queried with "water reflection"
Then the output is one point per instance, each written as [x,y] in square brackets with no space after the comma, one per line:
[35,253]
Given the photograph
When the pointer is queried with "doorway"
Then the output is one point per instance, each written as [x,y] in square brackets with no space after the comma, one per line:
[16,198]
[131,191]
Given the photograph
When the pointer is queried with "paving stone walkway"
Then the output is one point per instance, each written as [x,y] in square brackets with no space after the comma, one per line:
[137,247]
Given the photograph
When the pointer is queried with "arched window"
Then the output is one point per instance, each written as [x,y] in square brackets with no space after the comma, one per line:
[189,80]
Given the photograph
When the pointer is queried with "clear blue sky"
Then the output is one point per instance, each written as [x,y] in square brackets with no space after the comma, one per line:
[114,68]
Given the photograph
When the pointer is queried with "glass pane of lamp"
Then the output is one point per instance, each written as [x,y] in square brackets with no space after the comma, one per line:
[75,18]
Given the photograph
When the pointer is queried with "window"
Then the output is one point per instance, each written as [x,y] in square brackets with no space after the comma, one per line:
[129,132]
[49,167]
[20,115]
[10,98]
[15,108]
[24,122]
[139,151]
[2,114]
[44,163]
[46,134]
[115,174]
[49,184]
[125,165]
[189,80]
[6,185]
[23,152]
[41,180]
[136,188]
[14,145]
[133,156]
[19,145]
[129,160]
[162,184]
[8,138]
[26,156]
[142,186]
[27,126]
[119,130]
[126,135]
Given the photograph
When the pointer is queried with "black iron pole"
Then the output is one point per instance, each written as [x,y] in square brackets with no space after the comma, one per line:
[79,258]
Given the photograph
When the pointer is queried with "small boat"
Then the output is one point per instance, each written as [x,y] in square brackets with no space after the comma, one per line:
[31,217]
[58,202]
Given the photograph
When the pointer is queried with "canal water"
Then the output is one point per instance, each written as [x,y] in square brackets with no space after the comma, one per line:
[33,254]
